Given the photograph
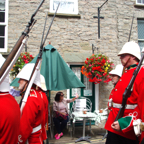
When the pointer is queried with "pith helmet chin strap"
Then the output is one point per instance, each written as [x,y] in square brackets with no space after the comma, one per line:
[24,88]
[125,65]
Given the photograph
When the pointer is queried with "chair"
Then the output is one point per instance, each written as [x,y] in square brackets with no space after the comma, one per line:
[69,123]
[50,122]
[78,106]
[82,103]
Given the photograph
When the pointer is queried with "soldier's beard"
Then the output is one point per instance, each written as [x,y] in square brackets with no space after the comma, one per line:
[114,82]
[22,86]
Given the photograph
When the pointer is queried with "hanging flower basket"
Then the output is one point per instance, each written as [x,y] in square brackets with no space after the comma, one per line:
[23,59]
[97,68]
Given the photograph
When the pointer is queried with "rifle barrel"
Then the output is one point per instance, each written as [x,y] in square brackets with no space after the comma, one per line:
[7,64]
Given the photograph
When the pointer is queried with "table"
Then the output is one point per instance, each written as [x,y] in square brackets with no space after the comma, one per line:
[88,115]
[101,116]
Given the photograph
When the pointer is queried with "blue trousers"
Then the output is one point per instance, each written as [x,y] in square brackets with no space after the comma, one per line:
[60,123]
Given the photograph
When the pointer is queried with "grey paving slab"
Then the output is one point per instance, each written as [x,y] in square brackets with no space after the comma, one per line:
[96,136]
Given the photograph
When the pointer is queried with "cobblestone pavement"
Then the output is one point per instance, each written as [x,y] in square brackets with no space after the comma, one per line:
[97,133]
[93,141]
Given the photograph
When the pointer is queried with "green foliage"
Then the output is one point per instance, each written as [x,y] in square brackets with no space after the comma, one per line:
[23,59]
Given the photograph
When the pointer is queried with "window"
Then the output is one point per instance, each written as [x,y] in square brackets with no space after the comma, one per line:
[3,25]
[141,33]
[66,6]
[88,91]
[140,2]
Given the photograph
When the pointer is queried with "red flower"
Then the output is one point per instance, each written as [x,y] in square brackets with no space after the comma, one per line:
[24,56]
[86,62]
[99,75]
[95,70]
[91,80]
[89,73]
[103,61]
[104,74]
[26,61]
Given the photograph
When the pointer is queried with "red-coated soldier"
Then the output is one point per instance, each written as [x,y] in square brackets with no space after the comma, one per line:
[130,56]
[9,113]
[31,123]
[134,120]
[42,92]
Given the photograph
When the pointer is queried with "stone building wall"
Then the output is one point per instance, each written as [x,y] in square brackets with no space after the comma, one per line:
[72,36]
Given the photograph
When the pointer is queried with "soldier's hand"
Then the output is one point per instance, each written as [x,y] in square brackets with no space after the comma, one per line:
[115,125]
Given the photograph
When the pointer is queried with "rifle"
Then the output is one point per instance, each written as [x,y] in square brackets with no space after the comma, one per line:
[14,54]
[37,64]
[131,28]
[142,142]
[128,90]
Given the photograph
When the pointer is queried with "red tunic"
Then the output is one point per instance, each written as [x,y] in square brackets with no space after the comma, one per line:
[116,95]
[9,119]
[126,122]
[45,114]
[32,117]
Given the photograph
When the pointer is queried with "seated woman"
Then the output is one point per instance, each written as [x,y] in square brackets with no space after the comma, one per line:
[60,109]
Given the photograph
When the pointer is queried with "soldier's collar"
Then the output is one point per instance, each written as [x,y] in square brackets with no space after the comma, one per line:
[132,66]
[22,93]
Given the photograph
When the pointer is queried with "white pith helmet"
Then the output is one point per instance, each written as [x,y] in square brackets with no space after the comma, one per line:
[4,86]
[43,84]
[118,70]
[26,71]
[131,48]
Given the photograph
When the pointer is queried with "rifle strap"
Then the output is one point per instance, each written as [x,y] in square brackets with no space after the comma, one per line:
[138,72]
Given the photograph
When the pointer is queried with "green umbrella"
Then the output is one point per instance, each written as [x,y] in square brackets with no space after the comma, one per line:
[58,75]
[15,81]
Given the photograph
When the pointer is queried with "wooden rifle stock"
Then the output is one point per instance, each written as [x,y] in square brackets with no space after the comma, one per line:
[6,66]
[127,91]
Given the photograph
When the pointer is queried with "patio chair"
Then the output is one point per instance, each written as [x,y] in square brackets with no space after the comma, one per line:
[69,123]
[78,106]
[50,127]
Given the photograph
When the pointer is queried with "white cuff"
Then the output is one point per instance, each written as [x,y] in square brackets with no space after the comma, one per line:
[136,125]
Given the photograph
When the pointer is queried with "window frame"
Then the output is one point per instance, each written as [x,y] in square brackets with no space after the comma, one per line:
[139,3]
[140,40]
[75,7]
[6,27]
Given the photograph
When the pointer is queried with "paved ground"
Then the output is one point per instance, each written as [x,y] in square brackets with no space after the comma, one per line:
[96,136]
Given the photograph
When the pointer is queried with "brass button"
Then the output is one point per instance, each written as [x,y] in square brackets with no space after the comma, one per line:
[120,79]
[115,89]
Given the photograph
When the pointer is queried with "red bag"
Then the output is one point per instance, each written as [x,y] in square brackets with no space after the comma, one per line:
[58,115]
